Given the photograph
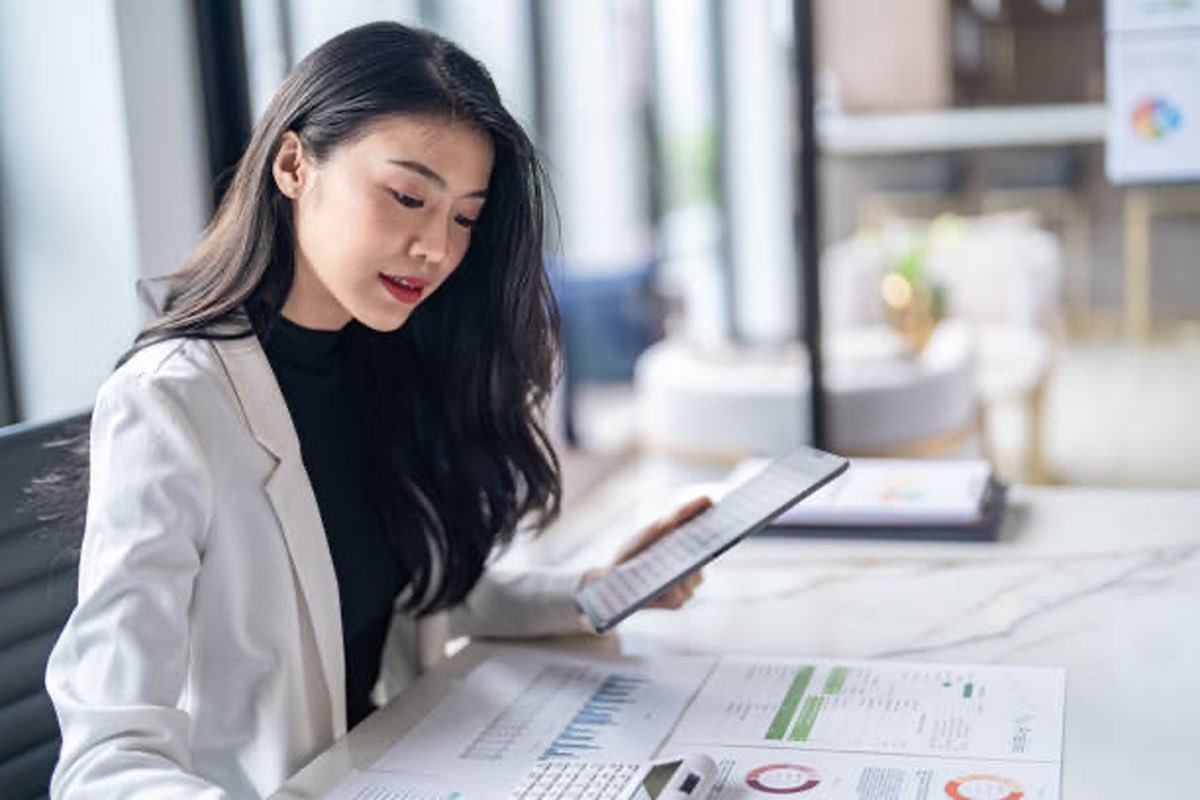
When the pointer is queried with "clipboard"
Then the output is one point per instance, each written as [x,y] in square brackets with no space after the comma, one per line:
[984,528]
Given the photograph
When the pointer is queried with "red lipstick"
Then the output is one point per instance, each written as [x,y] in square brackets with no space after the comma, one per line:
[404,288]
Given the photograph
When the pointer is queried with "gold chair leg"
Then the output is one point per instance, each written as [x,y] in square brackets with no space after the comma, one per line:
[1035,464]
[1137,265]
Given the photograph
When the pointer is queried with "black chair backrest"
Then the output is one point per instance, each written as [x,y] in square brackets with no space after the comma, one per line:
[38,566]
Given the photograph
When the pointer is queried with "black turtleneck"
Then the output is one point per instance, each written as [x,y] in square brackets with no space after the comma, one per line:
[309,367]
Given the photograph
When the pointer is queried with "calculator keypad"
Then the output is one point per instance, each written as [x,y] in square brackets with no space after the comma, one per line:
[577,780]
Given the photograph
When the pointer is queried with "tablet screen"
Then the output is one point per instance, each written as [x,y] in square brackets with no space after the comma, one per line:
[748,508]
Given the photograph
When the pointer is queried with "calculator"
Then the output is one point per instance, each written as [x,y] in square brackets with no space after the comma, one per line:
[687,778]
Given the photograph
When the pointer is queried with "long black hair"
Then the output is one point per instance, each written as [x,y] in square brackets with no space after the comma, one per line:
[459,390]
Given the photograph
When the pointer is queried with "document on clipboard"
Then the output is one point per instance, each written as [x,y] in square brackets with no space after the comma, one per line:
[747,509]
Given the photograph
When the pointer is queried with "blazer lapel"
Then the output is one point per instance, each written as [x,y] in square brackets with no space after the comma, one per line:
[291,496]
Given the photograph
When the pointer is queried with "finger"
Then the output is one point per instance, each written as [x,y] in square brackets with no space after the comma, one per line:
[662,527]
[663,600]
[637,544]
[689,510]
[672,599]
[687,584]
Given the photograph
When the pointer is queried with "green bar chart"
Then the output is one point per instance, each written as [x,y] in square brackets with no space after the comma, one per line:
[791,701]
[808,718]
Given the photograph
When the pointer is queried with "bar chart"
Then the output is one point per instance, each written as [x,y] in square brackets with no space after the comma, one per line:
[601,711]
[612,701]
[884,707]
[523,706]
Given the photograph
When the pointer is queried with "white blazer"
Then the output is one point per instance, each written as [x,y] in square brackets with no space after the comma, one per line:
[205,656]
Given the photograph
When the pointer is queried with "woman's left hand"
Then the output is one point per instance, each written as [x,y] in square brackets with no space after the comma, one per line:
[682,591]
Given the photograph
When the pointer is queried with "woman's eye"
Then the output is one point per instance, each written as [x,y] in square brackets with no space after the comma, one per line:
[407,200]
[466,222]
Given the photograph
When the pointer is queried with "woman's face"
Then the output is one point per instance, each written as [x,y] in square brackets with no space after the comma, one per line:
[383,220]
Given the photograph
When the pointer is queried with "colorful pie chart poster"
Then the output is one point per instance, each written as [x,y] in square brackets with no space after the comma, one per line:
[1126,16]
[1153,106]
[746,773]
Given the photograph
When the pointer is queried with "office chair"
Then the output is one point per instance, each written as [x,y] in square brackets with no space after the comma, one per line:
[38,566]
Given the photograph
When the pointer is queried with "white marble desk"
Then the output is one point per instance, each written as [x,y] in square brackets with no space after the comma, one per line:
[1103,583]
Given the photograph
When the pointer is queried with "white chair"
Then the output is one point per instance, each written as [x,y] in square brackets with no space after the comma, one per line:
[998,270]
[1001,276]
[726,404]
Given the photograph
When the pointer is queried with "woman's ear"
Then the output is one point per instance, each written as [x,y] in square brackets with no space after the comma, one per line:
[289,167]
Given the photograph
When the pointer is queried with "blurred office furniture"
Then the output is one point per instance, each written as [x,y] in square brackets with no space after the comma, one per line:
[961,129]
[723,404]
[877,55]
[37,592]
[607,321]
[907,404]
[1000,276]
[997,270]
[950,134]
[928,188]
[1014,368]
[1035,159]
[1141,206]
[1052,184]
[1028,51]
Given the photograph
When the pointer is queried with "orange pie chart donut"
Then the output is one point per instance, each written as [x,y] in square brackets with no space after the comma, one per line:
[983,787]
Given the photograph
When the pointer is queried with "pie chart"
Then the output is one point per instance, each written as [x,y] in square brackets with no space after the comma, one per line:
[1155,118]
[782,779]
[984,787]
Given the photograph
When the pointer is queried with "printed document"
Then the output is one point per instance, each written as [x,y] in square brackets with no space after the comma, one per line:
[521,706]
[757,773]
[820,729]
[376,785]
[880,706]
[878,730]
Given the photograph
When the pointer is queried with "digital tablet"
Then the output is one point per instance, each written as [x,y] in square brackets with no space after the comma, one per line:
[748,508]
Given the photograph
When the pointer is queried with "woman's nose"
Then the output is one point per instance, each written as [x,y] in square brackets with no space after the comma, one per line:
[430,243]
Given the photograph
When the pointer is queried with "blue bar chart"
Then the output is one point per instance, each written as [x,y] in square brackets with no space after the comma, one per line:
[522,706]
[533,714]
[605,709]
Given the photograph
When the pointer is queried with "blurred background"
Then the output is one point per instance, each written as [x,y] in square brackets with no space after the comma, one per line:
[1006,234]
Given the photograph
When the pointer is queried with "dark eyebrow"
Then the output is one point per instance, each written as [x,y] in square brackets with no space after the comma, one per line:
[433,177]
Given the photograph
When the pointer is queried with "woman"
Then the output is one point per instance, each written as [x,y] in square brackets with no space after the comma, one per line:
[300,472]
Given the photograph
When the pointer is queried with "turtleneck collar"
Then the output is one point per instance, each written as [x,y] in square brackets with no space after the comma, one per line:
[302,347]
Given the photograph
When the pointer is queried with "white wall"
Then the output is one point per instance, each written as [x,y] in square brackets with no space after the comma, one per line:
[165,126]
[95,129]
[266,42]
[71,247]
[596,154]
[759,170]
[496,33]
[314,21]
[687,117]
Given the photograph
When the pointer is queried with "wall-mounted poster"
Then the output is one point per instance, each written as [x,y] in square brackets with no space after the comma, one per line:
[1153,92]
[1141,15]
